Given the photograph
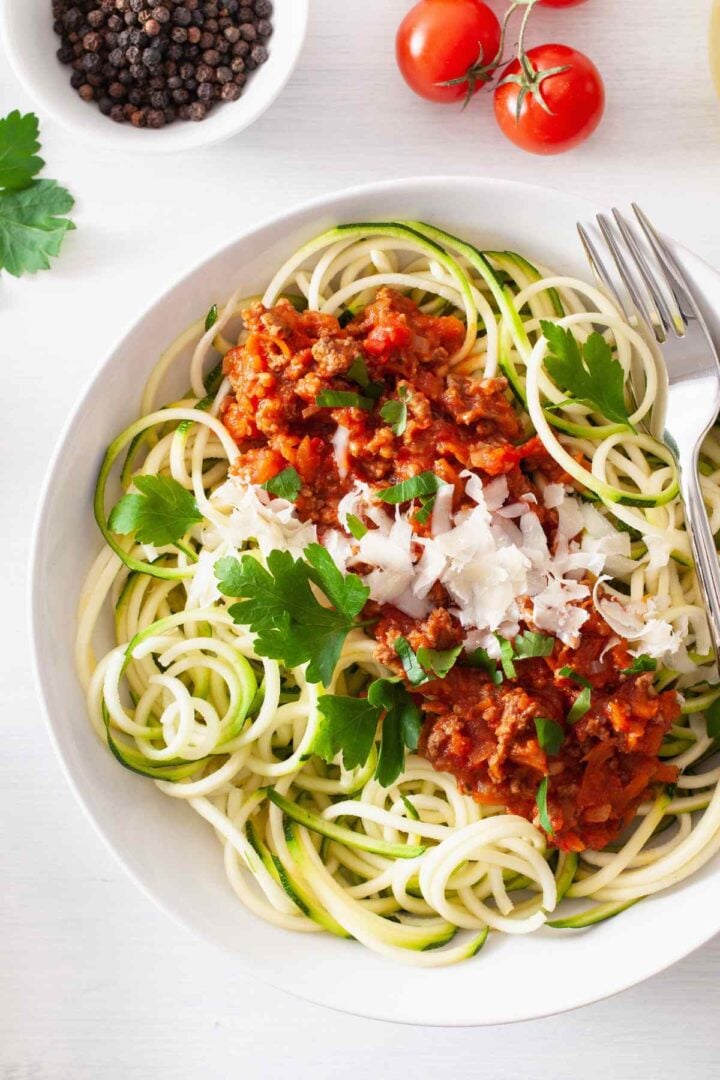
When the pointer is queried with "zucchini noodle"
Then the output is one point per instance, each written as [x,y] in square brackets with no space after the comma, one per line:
[416,871]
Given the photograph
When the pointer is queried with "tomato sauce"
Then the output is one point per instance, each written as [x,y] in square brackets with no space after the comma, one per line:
[482,733]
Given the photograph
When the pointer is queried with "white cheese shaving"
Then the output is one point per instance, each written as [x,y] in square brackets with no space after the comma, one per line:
[340,443]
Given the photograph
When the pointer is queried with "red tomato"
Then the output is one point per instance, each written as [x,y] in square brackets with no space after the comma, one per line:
[443,40]
[575,100]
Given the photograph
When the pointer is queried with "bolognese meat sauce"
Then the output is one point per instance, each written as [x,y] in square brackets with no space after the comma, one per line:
[483,733]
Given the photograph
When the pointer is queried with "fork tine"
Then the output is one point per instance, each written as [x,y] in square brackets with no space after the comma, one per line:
[662,313]
[627,278]
[676,281]
[600,270]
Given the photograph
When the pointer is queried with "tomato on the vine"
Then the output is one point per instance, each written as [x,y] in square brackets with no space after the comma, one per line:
[445,48]
[552,101]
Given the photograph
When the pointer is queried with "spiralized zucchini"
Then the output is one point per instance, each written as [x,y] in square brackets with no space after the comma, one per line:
[416,871]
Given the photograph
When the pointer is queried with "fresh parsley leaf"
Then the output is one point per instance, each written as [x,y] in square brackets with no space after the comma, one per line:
[211,318]
[550,734]
[356,527]
[32,226]
[411,665]
[343,399]
[568,673]
[426,483]
[281,609]
[530,644]
[438,662]
[481,659]
[348,726]
[640,663]
[345,591]
[409,808]
[401,727]
[427,505]
[18,150]
[358,373]
[395,412]
[590,373]
[580,706]
[507,654]
[286,485]
[712,720]
[160,514]
[541,803]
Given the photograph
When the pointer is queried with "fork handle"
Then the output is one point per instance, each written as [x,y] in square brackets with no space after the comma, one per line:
[707,565]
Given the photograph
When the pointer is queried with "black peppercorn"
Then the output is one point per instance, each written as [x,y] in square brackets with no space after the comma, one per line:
[150,62]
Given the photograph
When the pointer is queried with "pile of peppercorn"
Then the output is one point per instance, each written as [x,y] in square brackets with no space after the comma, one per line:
[149,63]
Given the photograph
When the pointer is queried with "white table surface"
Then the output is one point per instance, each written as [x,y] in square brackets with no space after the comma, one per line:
[94,982]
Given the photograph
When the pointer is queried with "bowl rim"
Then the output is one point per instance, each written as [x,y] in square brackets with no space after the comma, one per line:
[695,935]
[171,140]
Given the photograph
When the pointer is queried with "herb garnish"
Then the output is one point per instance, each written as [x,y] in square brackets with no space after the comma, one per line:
[285,485]
[426,483]
[590,373]
[550,734]
[541,803]
[343,399]
[279,606]
[211,318]
[349,726]
[580,706]
[358,373]
[425,664]
[640,663]
[32,221]
[481,659]
[568,673]
[161,513]
[356,527]
[395,412]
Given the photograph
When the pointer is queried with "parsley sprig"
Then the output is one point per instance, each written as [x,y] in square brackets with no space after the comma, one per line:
[160,513]
[349,727]
[32,221]
[589,373]
[425,664]
[281,609]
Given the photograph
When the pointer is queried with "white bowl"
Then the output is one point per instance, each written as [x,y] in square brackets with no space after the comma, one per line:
[26,29]
[169,851]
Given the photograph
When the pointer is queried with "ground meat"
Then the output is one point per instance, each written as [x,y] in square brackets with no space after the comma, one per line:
[291,357]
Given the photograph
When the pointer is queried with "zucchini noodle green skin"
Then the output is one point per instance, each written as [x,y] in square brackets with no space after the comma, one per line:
[417,872]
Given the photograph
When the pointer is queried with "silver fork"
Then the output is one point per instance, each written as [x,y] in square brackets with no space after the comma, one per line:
[662,298]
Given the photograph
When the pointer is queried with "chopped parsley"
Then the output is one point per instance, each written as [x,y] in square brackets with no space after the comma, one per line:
[541,803]
[349,727]
[285,485]
[588,372]
[211,318]
[395,412]
[425,664]
[640,664]
[568,673]
[427,505]
[356,527]
[580,706]
[160,513]
[550,734]
[481,658]
[358,373]
[280,608]
[525,646]
[426,483]
[343,399]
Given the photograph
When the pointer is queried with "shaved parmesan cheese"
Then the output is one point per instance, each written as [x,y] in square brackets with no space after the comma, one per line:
[441,520]
[255,515]
[553,495]
[340,442]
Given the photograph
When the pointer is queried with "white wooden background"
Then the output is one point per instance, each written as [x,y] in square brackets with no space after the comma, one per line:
[95,984]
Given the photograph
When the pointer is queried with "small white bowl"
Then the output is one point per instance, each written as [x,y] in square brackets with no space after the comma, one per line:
[26,30]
